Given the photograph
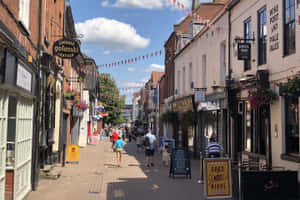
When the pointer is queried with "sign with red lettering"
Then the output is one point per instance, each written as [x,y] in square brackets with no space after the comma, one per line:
[217,176]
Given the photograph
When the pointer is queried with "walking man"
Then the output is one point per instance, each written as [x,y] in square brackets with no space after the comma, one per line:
[149,144]
[213,149]
[119,149]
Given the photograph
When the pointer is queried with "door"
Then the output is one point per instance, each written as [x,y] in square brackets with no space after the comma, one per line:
[23,147]
[3,127]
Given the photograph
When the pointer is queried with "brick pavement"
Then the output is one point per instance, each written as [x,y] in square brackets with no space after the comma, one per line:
[97,177]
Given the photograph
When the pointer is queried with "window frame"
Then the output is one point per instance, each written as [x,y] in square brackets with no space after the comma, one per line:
[247,63]
[24,13]
[287,40]
[262,37]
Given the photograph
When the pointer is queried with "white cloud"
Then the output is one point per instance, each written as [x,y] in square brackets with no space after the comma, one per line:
[155,67]
[111,34]
[145,79]
[87,51]
[146,4]
[131,69]
[104,3]
[132,84]
[106,52]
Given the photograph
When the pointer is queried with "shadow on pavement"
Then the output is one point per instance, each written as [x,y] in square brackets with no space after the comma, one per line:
[157,185]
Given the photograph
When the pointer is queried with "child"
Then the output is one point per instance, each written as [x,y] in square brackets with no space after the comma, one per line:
[119,149]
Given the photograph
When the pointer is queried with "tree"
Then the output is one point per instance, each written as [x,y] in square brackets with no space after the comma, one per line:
[111,99]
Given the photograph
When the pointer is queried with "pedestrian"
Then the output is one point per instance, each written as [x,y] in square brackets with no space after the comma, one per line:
[214,149]
[129,134]
[149,144]
[114,137]
[119,149]
[138,143]
[123,134]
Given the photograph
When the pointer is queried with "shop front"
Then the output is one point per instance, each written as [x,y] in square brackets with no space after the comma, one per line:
[251,120]
[184,125]
[17,99]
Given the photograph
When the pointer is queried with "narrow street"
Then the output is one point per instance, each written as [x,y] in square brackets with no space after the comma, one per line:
[97,177]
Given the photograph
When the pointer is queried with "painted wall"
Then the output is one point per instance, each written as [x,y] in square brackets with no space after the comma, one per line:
[210,46]
[279,66]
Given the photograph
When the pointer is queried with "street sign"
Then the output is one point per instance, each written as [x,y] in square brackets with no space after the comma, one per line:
[217,176]
[244,51]
[66,48]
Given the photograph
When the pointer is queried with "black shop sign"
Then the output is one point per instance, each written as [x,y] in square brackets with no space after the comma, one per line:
[180,163]
[244,51]
[66,48]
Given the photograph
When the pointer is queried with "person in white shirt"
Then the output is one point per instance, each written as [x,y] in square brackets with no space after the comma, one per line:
[149,144]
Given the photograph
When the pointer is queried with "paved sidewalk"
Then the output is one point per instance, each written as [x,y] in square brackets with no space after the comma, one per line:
[97,177]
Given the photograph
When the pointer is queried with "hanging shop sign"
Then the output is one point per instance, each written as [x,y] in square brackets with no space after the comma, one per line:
[66,48]
[200,96]
[183,105]
[217,176]
[244,51]
[24,78]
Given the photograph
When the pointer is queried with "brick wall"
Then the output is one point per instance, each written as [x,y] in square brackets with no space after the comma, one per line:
[9,16]
[9,184]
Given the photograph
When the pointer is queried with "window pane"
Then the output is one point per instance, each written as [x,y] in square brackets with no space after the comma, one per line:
[292,14]
[292,125]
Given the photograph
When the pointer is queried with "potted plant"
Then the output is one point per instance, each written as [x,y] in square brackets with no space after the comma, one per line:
[69,94]
[261,97]
[83,105]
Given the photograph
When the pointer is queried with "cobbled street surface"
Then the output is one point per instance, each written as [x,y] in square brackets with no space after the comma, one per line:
[96,176]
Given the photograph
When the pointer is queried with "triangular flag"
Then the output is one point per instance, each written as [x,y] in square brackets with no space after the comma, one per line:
[191,14]
[178,4]
[182,6]
[155,53]
[187,11]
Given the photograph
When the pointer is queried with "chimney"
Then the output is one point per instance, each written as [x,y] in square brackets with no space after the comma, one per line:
[195,4]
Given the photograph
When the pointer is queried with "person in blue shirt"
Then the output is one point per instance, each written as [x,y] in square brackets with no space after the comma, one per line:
[214,149]
[119,149]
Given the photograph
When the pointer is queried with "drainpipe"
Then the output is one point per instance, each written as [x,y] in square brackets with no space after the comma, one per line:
[61,138]
[35,169]
[229,135]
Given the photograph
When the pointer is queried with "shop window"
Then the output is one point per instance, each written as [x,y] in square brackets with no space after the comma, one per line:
[249,129]
[292,125]
[247,35]
[11,131]
[289,27]
[262,36]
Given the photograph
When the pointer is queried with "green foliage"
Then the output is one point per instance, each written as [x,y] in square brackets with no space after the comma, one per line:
[169,116]
[290,88]
[111,99]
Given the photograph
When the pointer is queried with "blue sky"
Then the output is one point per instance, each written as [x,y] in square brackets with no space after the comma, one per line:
[120,29]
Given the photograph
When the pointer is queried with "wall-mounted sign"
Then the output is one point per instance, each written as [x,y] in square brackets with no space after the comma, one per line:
[200,96]
[183,105]
[24,78]
[209,106]
[244,51]
[217,173]
[66,48]
[274,36]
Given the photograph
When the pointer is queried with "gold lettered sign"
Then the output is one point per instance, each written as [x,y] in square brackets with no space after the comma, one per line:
[183,105]
[217,176]
[73,153]
[66,48]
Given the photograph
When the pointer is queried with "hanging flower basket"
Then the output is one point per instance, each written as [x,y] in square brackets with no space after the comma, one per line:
[69,94]
[261,97]
[290,88]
